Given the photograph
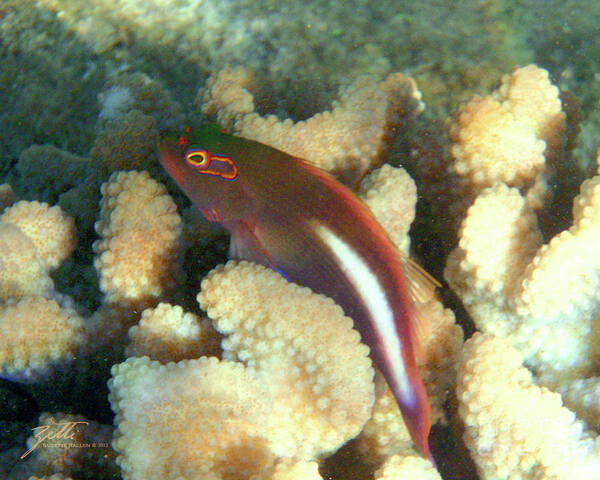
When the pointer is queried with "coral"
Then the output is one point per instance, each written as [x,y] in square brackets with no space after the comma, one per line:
[542,297]
[126,143]
[516,136]
[513,428]
[45,172]
[194,419]
[139,248]
[513,136]
[510,282]
[78,446]
[49,229]
[56,476]
[319,374]
[138,92]
[583,397]
[385,433]
[7,196]
[348,140]
[491,144]
[399,467]
[391,195]
[167,334]
[495,268]
[286,469]
[21,271]
[36,333]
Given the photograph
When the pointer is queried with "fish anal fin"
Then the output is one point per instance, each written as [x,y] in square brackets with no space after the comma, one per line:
[421,288]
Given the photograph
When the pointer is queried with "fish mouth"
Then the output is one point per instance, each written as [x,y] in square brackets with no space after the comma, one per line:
[170,156]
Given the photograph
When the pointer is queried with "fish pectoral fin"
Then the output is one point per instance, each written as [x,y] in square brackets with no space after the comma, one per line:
[421,289]
[244,245]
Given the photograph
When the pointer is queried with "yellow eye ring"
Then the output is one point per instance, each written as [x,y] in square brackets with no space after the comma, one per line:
[197,157]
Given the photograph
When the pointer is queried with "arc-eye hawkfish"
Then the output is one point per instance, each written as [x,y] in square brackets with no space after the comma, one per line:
[288,215]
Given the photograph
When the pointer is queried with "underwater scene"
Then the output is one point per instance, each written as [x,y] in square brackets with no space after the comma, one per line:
[323,240]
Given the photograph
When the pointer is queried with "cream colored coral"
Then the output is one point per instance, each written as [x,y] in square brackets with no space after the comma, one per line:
[498,238]
[168,334]
[319,374]
[21,271]
[564,276]
[491,145]
[193,419]
[227,96]
[385,433]
[583,397]
[36,333]
[441,343]
[139,249]
[288,469]
[391,195]
[531,97]
[407,467]
[346,140]
[513,428]
[51,231]
[546,301]
[513,136]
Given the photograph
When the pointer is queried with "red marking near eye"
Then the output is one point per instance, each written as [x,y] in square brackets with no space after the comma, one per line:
[182,141]
[187,129]
[226,175]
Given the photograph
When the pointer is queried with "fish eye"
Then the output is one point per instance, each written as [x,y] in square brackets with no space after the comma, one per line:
[197,157]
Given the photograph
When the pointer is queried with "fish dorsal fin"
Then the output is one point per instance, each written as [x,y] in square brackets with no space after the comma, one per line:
[421,288]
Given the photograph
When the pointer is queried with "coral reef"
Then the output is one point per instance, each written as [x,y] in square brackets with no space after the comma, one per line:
[140,93]
[139,249]
[518,136]
[34,238]
[288,386]
[168,334]
[49,229]
[494,180]
[197,418]
[305,51]
[21,272]
[540,296]
[513,427]
[70,444]
[391,195]
[348,140]
[319,374]
[36,333]
[407,467]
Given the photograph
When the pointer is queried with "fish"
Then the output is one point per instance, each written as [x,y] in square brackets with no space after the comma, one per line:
[287,214]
